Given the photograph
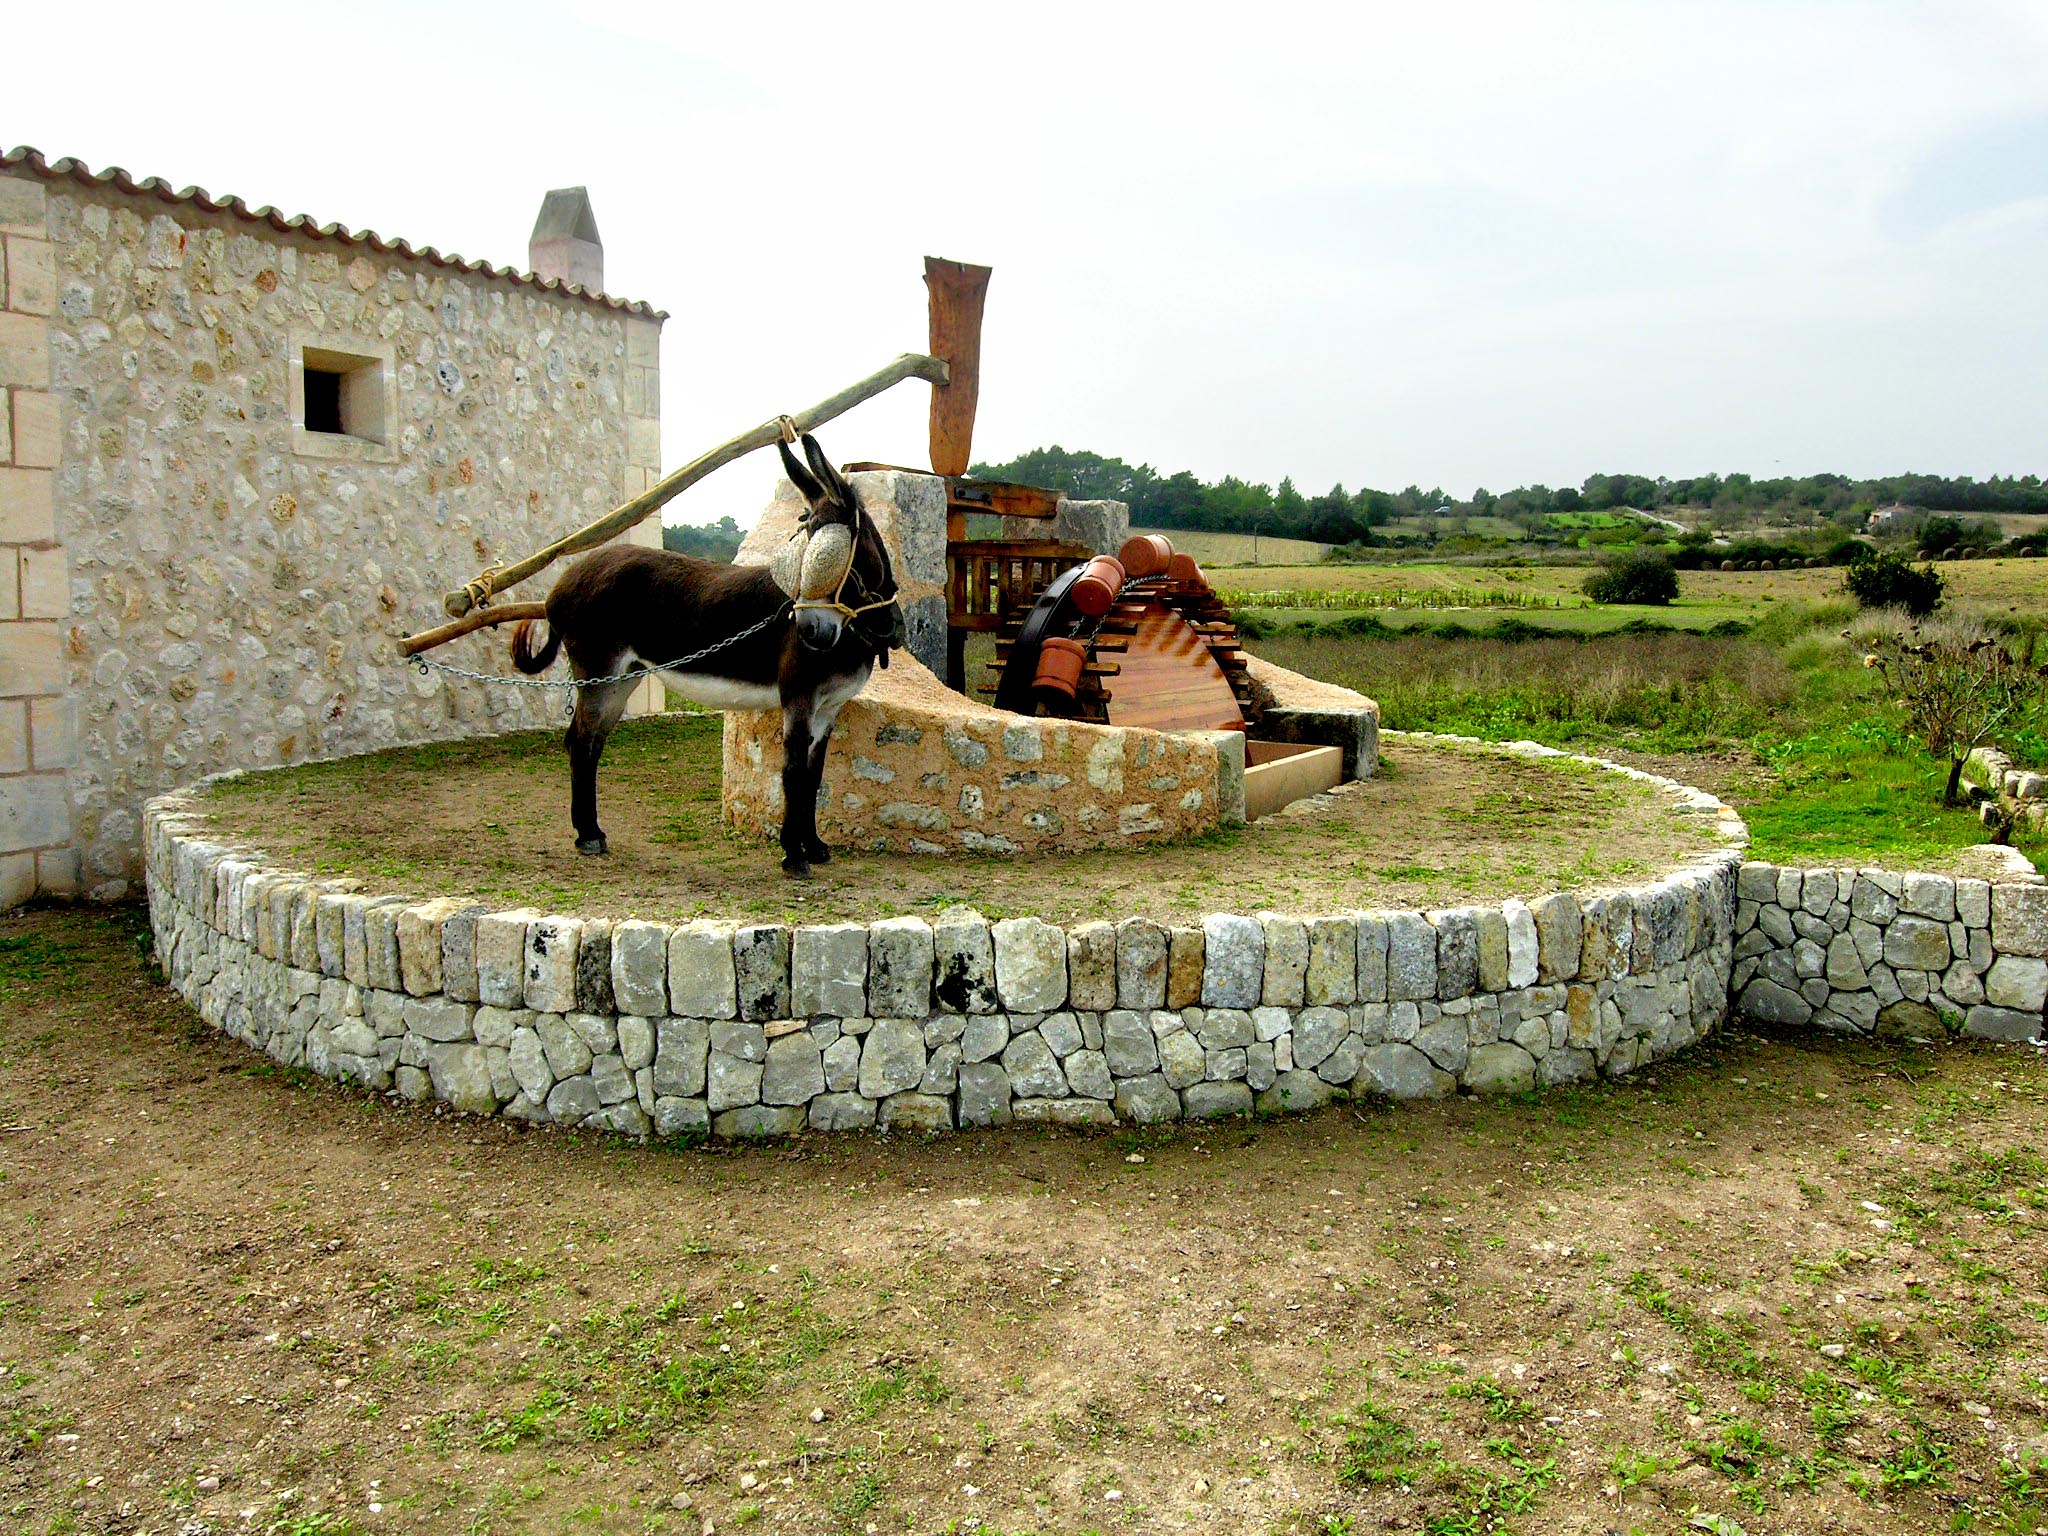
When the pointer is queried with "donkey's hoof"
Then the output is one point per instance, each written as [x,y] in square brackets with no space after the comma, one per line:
[818,853]
[592,847]
[796,868]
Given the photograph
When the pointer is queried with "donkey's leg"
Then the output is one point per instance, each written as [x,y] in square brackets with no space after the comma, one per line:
[814,845]
[799,790]
[597,711]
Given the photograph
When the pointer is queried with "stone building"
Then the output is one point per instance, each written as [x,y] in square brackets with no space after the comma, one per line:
[239,454]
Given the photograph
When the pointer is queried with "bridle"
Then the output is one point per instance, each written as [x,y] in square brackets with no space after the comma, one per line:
[852,612]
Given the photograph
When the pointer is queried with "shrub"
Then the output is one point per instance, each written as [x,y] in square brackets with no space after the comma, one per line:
[1958,685]
[1887,579]
[1636,577]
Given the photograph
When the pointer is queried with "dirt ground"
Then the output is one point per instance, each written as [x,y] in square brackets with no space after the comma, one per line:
[1784,1284]
[1437,826]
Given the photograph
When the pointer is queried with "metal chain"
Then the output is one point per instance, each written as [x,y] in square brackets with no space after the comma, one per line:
[427,665]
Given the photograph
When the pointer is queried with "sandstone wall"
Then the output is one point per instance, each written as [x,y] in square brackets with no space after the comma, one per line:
[753,1029]
[194,582]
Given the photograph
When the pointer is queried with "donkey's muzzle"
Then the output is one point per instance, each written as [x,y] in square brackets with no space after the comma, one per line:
[818,629]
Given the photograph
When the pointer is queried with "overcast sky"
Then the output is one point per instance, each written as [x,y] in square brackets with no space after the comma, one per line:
[1461,244]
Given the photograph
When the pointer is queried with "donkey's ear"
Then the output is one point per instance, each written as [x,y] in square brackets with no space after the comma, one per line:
[828,473]
[806,484]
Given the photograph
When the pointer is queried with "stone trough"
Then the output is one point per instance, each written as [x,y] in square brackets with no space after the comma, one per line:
[743,1029]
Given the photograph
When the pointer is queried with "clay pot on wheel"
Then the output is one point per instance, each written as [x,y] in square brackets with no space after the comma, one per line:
[1095,593]
[1060,664]
[1183,572]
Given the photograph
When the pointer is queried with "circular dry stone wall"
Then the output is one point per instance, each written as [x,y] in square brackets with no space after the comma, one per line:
[746,1029]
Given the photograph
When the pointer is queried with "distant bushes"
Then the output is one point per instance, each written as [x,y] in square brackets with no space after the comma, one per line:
[1635,577]
[1369,626]
[1887,579]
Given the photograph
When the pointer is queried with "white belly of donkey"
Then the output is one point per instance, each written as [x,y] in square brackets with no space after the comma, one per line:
[713,692]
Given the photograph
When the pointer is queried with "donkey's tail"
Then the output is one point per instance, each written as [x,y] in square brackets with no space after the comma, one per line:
[525,657]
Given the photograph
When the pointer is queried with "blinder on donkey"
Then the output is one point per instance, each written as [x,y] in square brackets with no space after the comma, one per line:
[806,632]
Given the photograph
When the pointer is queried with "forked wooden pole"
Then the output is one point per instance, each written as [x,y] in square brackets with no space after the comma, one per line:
[477,618]
[911,365]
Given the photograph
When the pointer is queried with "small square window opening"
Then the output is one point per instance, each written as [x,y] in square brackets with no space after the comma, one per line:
[323,400]
[342,394]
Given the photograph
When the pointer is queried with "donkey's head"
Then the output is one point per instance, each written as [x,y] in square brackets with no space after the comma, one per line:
[867,597]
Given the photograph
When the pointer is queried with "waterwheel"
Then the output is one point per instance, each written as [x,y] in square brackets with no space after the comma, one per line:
[1140,639]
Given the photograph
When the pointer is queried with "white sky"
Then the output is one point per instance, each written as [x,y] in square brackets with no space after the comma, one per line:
[1459,244]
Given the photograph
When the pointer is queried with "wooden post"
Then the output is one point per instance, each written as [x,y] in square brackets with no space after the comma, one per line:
[911,365]
[957,292]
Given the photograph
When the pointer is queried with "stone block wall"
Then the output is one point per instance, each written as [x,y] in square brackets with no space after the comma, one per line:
[189,579]
[36,741]
[1870,951]
[750,1029]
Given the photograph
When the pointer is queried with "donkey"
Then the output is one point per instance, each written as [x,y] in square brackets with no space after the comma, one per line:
[725,636]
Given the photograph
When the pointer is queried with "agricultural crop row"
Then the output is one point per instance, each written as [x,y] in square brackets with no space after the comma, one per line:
[1398,597]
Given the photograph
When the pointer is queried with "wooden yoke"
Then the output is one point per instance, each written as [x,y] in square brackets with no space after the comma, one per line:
[957,292]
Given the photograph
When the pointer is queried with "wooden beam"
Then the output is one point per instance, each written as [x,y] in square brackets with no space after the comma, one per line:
[957,292]
[477,619]
[911,365]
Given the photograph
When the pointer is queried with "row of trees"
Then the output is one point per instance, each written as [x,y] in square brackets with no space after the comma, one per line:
[1339,516]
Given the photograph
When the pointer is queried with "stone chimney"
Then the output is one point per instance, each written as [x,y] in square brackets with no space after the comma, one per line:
[564,244]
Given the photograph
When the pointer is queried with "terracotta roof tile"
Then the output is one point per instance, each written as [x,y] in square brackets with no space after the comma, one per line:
[155,187]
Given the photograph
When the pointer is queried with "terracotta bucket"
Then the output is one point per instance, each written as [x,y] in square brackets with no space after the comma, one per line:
[1146,555]
[1060,663]
[1094,594]
[1182,571]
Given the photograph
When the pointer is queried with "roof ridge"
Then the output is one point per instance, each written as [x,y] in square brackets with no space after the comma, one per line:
[302,224]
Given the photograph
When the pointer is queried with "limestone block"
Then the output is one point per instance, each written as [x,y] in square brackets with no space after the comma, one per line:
[1447,1042]
[841,1112]
[1844,970]
[1033,1070]
[1286,961]
[609,1076]
[1234,967]
[1075,1113]
[1560,936]
[1788,889]
[964,963]
[892,1059]
[636,1041]
[1294,1091]
[1457,951]
[2018,982]
[501,958]
[439,1018]
[829,972]
[1141,964]
[1973,903]
[1775,924]
[594,967]
[1260,1067]
[1128,1044]
[1092,966]
[758,1120]
[984,1094]
[1523,943]
[1989,1023]
[731,1082]
[1491,943]
[1917,943]
[900,956]
[1222,1029]
[794,1072]
[703,981]
[1342,1064]
[568,1053]
[1871,902]
[1411,956]
[1061,1033]
[2019,919]
[1317,1033]
[1372,958]
[1146,1100]
[461,1076]
[1817,891]
[380,942]
[941,1068]
[928,1113]
[1332,974]
[419,944]
[551,963]
[985,1036]
[1181,1058]
[681,1117]
[679,1057]
[640,968]
[1773,1003]
[842,1064]
[1187,960]
[1030,965]
[1499,1067]
[1929,896]
[760,953]
[1214,1101]
[458,953]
